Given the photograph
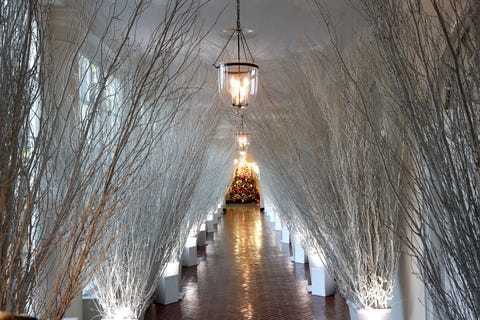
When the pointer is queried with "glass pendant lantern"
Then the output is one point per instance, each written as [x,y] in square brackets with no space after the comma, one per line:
[243,158]
[243,140]
[238,80]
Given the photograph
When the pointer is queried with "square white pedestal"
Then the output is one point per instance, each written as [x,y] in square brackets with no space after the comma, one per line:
[202,236]
[323,283]
[218,215]
[167,290]
[272,217]
[285,235]
[299,255]
[189,255]
[278,224]
[209,223]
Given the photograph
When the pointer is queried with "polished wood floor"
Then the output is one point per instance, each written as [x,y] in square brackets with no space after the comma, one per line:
[245,273]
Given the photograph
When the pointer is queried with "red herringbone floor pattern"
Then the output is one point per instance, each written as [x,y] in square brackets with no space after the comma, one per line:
[245,273]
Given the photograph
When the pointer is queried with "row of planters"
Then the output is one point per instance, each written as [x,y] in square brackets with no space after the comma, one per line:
[381,157]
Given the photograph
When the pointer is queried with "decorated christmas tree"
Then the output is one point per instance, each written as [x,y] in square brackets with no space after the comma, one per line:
[244,188]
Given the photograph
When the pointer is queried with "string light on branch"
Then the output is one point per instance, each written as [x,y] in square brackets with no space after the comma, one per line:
[238,80]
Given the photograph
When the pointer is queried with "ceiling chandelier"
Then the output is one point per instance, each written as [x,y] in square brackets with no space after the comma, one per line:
[243,138]
[238,80]
[243,158]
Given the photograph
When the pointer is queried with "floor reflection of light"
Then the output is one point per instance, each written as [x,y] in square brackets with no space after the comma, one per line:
[247,311]
[247,245]
[258,234]
[191,294]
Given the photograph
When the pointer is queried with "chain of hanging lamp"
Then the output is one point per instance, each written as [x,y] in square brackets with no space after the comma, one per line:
[238,80]
[239,30]
[243,138]
[241,42]
[240,127]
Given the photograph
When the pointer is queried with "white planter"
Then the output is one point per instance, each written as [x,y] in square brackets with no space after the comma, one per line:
[167,290]
[189,255]
[272,217]
[278,224]
[299,254]
[374,314]
[202,235]
[368,314]
[285,235]
[216,217]
[323,284]
[209,223]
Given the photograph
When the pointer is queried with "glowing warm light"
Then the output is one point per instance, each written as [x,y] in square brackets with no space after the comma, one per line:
[374,314]
[235,161]
[258,234]
[256,168]
[122,313]
[239,90]
[242,162]
[243,141]
[246,244]
[238,80]
[238,83]
[243,158]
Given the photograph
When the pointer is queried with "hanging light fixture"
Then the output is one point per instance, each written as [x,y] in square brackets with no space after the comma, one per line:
[238,80]
[243,138]
[243,158]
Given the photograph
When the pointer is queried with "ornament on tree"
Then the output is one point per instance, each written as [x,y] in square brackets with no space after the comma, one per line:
[243,188]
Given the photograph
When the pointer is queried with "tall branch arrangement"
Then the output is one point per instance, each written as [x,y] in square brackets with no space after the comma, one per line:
[427,65]
[425,57]
[328,167]
[210,190]
[81,113]
[156,226]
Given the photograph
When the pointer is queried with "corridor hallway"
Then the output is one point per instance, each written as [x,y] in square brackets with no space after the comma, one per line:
[245,273]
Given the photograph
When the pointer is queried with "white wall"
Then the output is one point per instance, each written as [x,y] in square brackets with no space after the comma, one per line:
[408,301]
